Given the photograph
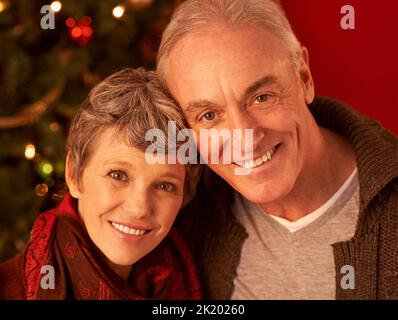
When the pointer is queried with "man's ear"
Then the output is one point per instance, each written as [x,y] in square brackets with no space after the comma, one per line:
[70,181]
[306,76]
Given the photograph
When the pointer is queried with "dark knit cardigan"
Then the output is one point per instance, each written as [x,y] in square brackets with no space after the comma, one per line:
[216,237]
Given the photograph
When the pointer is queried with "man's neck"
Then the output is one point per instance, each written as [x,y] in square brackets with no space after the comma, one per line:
[321,177]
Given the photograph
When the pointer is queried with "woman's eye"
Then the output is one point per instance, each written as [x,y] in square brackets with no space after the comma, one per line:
[208,116]
[118,175]
[166,187]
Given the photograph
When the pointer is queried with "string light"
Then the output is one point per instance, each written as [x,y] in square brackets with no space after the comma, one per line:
[54,126]
[80,31]
[70,22]
[56,6]
[47,168]
[76,32]
[41,189]
[118,11]
[4,4]
[86,20]
[30,151]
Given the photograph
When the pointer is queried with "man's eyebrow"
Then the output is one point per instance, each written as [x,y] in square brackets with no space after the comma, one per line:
[202,104]
[264,81]
[198,105]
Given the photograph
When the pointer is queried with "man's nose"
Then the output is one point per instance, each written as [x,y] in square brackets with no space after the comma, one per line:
[242,120]
[137,204]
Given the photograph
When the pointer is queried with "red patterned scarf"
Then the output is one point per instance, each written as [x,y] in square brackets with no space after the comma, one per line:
[81,272]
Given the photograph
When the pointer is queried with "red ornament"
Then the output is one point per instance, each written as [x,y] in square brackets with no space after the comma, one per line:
[80,31]
[70,22]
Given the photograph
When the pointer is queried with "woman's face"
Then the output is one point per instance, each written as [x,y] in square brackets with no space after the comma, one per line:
[127,205]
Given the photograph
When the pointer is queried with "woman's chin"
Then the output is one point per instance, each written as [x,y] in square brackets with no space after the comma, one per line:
[123,261]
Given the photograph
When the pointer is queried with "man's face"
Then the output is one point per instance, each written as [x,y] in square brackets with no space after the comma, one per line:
[243,78]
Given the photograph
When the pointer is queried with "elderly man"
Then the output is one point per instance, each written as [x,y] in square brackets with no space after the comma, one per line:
[317,215]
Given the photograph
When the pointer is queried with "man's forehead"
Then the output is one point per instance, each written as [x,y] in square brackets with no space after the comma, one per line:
[204,57]
[204,83]
[240,42]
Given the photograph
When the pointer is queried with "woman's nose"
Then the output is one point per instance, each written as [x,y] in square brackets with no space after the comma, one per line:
[137,204]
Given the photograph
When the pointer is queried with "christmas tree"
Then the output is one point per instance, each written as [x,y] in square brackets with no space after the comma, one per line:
[51,55]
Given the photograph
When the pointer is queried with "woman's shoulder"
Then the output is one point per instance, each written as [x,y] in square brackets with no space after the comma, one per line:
[12,279]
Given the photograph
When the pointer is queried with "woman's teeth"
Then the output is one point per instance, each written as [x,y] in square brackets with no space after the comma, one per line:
[259,161]
[128,230]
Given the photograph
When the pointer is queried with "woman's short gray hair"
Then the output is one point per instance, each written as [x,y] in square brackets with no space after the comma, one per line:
[131,102]
[193,15]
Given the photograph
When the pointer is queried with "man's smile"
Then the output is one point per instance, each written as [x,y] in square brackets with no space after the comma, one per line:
[267,156]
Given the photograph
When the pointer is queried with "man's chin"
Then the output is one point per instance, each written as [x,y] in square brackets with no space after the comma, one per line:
[261,194]
[256,189]
[257,198]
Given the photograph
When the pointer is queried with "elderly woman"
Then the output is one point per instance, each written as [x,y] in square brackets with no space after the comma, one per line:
[111,237]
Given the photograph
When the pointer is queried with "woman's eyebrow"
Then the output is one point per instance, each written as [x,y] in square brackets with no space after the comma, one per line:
[119,163]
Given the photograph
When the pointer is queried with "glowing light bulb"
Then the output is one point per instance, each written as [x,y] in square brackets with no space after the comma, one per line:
[118,11]
[47,168]
[4,4]
[30,151]
[56,6]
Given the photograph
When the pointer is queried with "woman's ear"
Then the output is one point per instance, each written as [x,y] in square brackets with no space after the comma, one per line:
[306,76]
[70,181]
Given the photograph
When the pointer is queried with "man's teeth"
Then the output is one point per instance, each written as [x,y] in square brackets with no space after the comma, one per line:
[257,162]
[128,230]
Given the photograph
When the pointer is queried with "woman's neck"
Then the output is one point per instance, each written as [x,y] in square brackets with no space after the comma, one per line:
[122,271]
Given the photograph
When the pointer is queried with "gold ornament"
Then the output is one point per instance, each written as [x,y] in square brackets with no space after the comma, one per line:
[41,189]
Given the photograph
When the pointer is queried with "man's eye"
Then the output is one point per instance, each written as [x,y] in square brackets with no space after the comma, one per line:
[118,175]
[208,116]
[262,98]
[168,187]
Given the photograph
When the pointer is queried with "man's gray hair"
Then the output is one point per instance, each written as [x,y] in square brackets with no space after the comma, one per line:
[194,15]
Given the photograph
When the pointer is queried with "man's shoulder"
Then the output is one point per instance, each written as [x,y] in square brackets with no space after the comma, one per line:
[12,279]
[339,116]
[376,148]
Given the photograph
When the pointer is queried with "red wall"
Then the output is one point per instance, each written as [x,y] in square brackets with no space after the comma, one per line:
[357,66]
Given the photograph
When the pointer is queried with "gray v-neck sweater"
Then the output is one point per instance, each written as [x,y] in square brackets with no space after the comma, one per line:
[278,264]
